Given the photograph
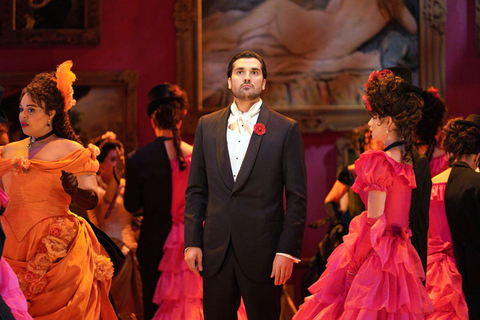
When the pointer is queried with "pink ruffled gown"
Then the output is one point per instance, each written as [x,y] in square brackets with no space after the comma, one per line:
[179,292]
[388,284]
[444,282]
[9,286]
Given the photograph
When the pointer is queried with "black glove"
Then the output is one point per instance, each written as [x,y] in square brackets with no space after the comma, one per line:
[346,177]
[332,210]
[84,199]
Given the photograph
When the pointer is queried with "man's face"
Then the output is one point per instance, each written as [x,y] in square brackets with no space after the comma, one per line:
[246,81]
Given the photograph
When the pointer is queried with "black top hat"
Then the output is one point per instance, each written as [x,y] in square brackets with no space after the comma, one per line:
[406,74]
[3,117]
[474,119]
[160,94]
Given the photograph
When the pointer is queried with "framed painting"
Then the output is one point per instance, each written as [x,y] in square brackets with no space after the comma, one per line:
[318,53]
[52,22]
[477,25]
[106,101]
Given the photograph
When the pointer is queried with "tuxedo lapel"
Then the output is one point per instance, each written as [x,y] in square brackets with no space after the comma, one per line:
[252,151]
[223,159]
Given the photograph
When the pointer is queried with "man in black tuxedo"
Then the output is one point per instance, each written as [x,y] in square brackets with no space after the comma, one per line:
[238,234]
[462,207]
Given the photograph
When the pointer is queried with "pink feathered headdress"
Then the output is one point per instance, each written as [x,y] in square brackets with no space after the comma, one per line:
[65,79]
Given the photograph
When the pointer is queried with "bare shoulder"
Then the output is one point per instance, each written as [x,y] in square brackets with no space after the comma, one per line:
[442,176]
[186,148]
[69,145]
[65,146]
[14,149]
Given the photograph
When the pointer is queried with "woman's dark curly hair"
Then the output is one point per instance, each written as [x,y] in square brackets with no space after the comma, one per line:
[169,113]
[106,145]
[434,115]
[460,138]
[43,91]
[387,95]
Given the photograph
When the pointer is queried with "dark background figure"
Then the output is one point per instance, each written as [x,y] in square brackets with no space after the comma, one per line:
[149,188]
[429,129]
[462,203]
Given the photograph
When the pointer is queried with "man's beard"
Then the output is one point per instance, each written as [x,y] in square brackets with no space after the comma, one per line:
[251,94]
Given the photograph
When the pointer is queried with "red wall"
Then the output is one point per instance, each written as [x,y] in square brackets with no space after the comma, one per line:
[140,35]
[462,61]
[135,35]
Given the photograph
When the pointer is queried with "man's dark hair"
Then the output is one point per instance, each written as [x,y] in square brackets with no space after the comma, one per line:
[247,54]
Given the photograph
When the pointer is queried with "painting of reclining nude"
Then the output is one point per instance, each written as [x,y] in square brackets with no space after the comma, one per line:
[317,52]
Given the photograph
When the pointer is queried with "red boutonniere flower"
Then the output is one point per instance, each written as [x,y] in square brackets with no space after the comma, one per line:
[259,128]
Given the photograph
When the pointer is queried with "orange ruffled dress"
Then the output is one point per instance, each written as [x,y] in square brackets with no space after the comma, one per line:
[62,269]
[388,284]
[444,282]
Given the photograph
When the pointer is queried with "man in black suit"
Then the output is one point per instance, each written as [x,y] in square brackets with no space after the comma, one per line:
[238,233]
[462,207]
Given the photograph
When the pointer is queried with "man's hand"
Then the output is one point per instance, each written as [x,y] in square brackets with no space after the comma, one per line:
[193,258]
[282,269]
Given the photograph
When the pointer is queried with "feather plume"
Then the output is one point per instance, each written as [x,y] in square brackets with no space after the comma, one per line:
[65,79]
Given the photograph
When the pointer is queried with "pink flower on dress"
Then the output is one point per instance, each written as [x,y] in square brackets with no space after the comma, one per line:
[20,165]
[103,268]
[259,128]
[43,261]
[23,284]
[56,231]
[41,248]
[30,276]
[55,247]
[52,247]
[28,294]
[37,286]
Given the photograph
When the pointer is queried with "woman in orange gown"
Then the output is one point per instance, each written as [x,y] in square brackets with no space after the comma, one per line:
[62,269]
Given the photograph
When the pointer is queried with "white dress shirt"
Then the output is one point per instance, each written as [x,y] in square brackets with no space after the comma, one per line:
[239,132]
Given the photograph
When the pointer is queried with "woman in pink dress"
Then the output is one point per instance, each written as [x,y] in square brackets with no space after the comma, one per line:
[429,130]
[179,293]
[444,282]
[376,273]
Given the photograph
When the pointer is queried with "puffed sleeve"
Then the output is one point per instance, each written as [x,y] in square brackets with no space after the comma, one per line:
[86,163]
[374,172]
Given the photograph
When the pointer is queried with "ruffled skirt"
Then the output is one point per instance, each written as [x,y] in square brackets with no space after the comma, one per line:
[11,293]
[179,291]
[62,269]
[444,283]
[387,286]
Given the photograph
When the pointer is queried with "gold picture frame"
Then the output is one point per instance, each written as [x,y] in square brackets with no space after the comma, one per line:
[106,101]
[49,22]
[312,119]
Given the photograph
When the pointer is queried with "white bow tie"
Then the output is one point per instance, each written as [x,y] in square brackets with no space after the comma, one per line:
[238,120]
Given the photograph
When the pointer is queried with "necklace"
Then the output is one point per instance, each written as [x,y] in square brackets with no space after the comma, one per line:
[33,139]
[394,144]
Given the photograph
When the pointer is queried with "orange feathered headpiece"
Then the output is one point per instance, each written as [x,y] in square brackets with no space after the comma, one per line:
[65,79]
